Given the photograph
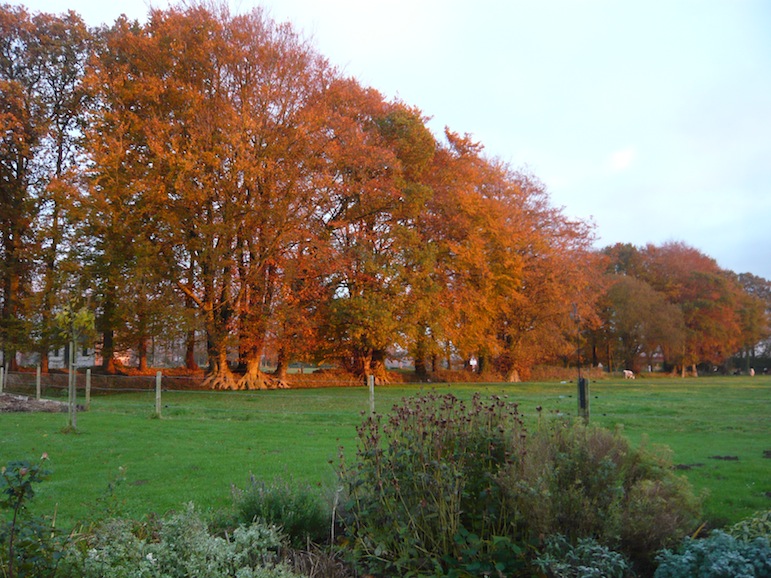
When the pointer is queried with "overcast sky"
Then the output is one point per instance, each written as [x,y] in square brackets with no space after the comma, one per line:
[652,118]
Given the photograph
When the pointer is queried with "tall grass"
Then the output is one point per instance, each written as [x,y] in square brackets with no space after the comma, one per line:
[121,460]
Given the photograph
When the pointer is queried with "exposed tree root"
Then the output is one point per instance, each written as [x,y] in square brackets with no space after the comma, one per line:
[220,380]
[513,376]
[254,378]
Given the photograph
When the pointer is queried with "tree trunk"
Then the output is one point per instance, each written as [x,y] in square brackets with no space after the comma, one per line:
[253,378]
[420,367]
[142,354]
[108,351]
[279,377]
[512,376]
[190,362]
[377,367]
[219,376]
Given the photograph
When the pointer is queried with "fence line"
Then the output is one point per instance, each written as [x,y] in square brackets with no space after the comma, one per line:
[37,383]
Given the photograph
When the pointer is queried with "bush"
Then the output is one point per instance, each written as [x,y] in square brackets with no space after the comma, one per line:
[444,487]
[176,547]
[299,510]
[719,556]
[758,526]
[588,559]
[29,545]
[422,494]
[581,482]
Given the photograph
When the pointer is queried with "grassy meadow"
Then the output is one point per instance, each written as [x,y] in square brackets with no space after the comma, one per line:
[124,461]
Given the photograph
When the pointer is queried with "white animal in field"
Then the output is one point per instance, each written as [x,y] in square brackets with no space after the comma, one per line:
[628,374]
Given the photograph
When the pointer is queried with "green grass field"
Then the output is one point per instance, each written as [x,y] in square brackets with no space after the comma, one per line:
[208,441]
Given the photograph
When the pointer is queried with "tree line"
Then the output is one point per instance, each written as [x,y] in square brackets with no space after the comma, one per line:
[205,172]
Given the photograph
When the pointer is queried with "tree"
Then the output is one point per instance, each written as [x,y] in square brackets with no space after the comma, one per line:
[755,315]
[366,212]
[278,81]
[64,44]
[558,274]
[641,322]
[510,266]
[22,126]
[207,122]
[706,296]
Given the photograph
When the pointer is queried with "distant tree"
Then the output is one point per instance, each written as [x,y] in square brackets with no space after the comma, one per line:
[642,322]
[707,296]
[755,315]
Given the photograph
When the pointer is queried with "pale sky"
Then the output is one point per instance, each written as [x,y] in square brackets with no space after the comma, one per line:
[652,118]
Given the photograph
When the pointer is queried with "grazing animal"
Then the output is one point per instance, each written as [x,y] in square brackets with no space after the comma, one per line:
[628,374]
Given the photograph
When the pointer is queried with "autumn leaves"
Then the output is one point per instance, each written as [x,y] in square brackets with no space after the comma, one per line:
[224,180]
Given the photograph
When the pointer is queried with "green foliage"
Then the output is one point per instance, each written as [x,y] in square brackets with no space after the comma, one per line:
[176,547]
[581,482]
[587,559]
[758,526]
[298,509]
[718,556]
[437,486]
[75,325]
[492,556]
[29,546]
[422,493]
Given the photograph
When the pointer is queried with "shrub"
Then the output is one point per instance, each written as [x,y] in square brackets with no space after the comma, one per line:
[718,556]
[758,526]
[442,486]
[422,493]
[588,559]
[29,545]
[581,482]
[178,546]
[299,510]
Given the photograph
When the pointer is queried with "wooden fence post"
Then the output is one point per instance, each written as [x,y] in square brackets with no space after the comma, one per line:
[2,378]
[371,383]
[38,388]
[88,389]
[72,386]
[158,394]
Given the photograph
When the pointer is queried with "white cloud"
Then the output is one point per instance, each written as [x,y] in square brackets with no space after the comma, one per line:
[622,159]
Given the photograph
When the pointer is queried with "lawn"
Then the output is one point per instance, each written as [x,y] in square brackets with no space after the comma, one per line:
[719,430]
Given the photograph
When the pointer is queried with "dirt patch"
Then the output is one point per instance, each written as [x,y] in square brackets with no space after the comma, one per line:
[688,466]
[725,458]
[21,403]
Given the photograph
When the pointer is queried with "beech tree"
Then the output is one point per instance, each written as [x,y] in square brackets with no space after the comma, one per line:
[277,81]
[65,45]
[22,126]
[755,315]
[366,211]
[719,315]
[42,59]
[217,108]
[641,322]
[511,265]
[706,296]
